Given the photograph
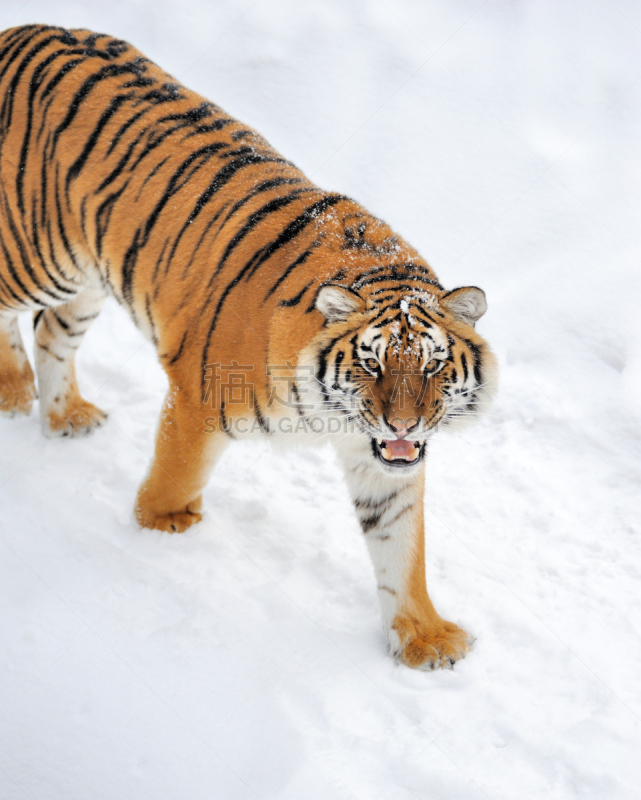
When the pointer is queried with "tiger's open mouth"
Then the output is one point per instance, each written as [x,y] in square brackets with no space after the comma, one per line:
[398,452]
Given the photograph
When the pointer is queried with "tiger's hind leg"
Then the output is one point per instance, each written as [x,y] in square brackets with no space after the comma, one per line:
[58,333]
[17,387]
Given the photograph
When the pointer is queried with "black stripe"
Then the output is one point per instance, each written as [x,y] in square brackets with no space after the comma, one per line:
[24,256]
[156,142]
[395,271]
[61,227]
[386,310]
[44,182]
[47,350]
[293,301]
[59,320]
[35,235]
[476,354]
[359,284]
[91,142]
[65,70]
[10,292]
[264,424]
[226,425]
[302,258]
[158,166]
[262,187]
[361,503]
[103,215]
[125,127]
[158,261]
[322,365]
[179,352]
[464,365]
[128,266]
[370,522]
[340,356]
[201,239]
[52,251]
[15,275]
[217,125]
[404,510]
[122,162]
[424,317]
[398,287]
[154,337]
[192,115]
[236,135]
[185,121]
[299,407]
[256,218]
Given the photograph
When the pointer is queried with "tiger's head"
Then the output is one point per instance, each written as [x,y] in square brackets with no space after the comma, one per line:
[400,361]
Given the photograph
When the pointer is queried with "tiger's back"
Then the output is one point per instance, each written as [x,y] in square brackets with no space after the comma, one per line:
[112,171]
[106,162]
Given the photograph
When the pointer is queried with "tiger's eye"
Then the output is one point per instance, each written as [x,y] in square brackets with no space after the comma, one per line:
[371,364]
[431,365]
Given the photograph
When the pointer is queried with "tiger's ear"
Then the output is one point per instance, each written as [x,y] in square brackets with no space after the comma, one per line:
[337,303]
[467,304]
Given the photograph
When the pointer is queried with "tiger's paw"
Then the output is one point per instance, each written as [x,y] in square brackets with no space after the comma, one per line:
[77,417]
[426,648]
[171,522]
[17,392]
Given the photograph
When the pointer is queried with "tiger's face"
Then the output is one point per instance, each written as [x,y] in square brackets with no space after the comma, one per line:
[402,369]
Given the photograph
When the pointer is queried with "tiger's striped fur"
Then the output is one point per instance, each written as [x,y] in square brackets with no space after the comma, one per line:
[117,180]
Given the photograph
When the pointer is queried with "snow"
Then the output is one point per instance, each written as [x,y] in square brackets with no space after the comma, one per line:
[244,658]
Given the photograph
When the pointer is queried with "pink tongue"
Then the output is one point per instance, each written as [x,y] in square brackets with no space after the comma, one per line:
[400,448]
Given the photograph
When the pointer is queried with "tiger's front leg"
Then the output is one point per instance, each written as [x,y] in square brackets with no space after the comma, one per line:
[390,512]
[170,499]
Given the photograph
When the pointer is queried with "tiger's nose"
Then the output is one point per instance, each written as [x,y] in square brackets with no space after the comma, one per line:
[401,427]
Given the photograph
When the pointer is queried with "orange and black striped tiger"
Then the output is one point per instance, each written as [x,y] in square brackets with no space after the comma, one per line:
[275,307]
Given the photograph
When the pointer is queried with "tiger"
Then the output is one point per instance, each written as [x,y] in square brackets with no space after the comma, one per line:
[118,181]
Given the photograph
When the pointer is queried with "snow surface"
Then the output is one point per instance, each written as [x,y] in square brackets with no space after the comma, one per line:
[244,659]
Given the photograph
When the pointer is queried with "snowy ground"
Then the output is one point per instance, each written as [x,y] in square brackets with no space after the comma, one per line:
[244,659]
